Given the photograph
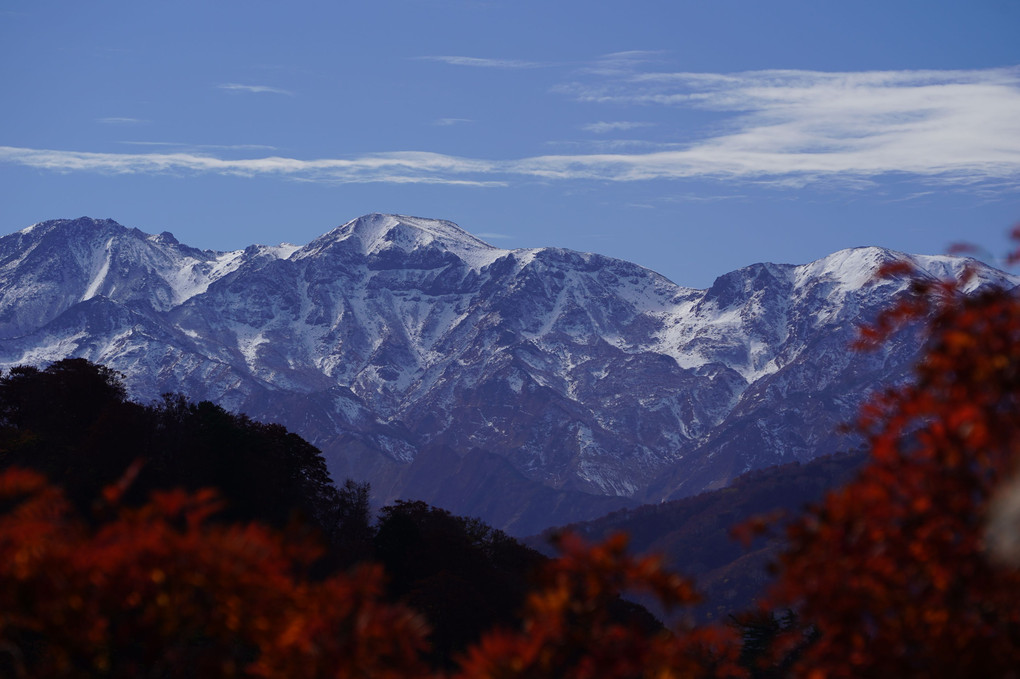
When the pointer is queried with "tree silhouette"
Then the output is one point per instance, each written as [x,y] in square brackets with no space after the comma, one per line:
[72,422]
[462,575]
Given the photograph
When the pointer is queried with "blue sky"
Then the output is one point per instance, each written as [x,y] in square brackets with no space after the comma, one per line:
[689,137]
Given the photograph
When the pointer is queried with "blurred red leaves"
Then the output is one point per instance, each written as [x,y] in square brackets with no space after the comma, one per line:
[893,572]
[158,591]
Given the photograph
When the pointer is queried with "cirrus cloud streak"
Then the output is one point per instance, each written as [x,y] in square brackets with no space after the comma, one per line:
[254,89]
[775,123]
[786,128]
[399,168]
[481,62]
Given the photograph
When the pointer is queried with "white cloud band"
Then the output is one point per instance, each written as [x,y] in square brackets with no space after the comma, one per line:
[405,167]
[783,126]
[962,123]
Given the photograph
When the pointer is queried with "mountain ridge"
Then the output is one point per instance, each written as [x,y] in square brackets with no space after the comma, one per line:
[388,335]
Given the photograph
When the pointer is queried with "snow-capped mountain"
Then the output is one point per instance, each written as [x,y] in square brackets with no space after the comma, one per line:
[530,387]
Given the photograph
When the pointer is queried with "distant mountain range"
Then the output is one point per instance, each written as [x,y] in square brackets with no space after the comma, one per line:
[529,387]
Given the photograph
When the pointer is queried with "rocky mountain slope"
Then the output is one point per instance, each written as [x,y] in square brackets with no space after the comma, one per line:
[529,387]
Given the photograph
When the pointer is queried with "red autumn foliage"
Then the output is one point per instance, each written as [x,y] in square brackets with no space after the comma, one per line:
[893,571]
[158,591]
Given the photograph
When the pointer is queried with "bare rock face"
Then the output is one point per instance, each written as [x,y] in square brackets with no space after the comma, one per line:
[529,387]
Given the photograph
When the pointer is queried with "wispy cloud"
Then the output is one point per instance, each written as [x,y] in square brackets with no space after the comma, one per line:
[116,120]
[785,129]
[962,124]
[205,147]
[400,167]
[613,145]
[254,89]
[446,122]
[478,62]
[701,198]
[494,236]
[619,63]
[603,127]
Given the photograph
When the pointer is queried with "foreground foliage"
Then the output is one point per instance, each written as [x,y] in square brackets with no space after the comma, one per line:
[159,591]
[897,572]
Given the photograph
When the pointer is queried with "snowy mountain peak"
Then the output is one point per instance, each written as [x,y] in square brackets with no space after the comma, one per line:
[82,228]
[48,268]
[165,237]
[382,234]
[853,268]
[429,230]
